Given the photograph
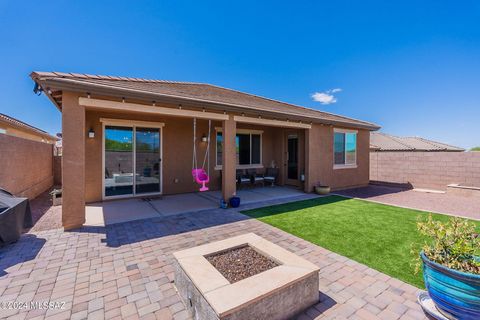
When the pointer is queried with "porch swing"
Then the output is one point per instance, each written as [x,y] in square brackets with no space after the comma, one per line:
[201,176]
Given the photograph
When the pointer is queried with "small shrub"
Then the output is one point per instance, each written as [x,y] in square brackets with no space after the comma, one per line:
[454,244]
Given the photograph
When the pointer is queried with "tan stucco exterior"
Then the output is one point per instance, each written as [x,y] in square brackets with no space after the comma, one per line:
[73,162]
[319,160]
[83,164]
[24,132]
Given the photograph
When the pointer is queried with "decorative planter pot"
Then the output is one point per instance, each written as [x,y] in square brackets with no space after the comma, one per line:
[234,202]
[456,294]
[322,190]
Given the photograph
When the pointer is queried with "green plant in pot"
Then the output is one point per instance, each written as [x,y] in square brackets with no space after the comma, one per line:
[321,189]
[451,266]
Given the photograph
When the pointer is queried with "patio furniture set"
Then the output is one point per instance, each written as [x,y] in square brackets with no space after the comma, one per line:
[251,178]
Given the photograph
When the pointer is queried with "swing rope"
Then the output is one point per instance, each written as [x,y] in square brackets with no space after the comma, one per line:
[207,153]
[194,159]
[206,159]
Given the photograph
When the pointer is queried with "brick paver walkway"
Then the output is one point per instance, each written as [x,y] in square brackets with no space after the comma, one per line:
[468,207]
[124,271]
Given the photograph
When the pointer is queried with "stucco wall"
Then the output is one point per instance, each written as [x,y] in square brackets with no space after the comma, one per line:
[57,170]
[177,151]
[426,169]
[319,166]
[26,166]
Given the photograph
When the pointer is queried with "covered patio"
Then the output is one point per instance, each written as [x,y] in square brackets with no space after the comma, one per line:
[123,210]
[140,138]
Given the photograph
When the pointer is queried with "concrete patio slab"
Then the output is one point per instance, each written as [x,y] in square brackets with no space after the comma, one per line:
[118,211]
[186,202]
[110,212]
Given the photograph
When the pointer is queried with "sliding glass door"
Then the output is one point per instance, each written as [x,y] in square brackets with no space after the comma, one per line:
[147,164]
[118,161]
[131,161]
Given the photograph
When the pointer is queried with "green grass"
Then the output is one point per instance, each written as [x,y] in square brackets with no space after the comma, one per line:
[379,236]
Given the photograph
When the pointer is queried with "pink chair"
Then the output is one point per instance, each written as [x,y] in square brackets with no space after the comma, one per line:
[201,177]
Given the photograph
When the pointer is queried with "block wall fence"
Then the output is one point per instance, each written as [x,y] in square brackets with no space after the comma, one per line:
[433,170]
[26,166]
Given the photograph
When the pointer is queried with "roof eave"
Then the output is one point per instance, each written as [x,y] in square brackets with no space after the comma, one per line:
[77,86]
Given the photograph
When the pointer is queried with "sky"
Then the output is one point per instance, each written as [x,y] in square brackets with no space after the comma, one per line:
[413,67]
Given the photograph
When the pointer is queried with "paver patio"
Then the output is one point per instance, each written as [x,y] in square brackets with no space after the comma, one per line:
[468,207]
[124,271]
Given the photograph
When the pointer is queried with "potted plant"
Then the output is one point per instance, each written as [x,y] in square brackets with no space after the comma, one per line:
[234,202]
[321,189]
[451,266]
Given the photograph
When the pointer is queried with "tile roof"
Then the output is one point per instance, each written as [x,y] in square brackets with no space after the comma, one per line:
[384,142]
[198,92]
[21,124]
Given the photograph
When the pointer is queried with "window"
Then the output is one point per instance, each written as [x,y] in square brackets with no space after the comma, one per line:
[345,148]
[248,147]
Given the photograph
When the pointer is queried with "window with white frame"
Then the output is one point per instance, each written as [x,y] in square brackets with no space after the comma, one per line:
[248,146]
[345,147]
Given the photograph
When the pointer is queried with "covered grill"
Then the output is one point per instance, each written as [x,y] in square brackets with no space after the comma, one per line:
[15,215]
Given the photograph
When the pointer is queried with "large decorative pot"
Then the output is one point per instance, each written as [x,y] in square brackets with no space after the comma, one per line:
[322,190]
[456,294]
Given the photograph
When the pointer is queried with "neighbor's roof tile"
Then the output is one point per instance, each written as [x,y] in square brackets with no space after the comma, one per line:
[385,142]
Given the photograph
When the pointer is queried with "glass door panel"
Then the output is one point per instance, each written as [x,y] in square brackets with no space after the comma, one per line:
[292,169]
[147,160]
[118,161]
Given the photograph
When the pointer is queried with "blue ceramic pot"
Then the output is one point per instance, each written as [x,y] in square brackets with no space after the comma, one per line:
[456,294]
[234,202]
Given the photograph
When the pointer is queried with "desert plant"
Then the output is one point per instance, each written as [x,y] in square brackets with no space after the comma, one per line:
[454,244]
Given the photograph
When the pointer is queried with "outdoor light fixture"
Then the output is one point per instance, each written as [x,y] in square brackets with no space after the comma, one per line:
[91,133]
[204,138]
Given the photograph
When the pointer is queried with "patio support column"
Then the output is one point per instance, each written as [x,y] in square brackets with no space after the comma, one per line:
[73,162]
[309,170]
[229,184]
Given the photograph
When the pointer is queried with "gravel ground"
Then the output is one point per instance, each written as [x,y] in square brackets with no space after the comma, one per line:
[45,215]
[240,263]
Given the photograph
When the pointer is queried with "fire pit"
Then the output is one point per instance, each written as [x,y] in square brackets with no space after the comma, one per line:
[244,277]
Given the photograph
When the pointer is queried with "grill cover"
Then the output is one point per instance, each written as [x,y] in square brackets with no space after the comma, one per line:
[15,215]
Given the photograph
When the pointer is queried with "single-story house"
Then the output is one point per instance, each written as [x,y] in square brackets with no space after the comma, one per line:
[14,127]
[382,142]
[130,137]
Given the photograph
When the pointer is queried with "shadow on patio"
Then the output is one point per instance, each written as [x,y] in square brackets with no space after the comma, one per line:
[25,249]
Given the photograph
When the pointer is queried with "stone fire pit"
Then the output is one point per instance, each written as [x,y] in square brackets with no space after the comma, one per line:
[265,281]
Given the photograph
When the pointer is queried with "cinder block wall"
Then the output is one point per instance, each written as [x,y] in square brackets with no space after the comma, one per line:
[434,170]
[57,170]
[26,166]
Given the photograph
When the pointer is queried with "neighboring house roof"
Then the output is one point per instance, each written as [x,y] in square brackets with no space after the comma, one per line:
[199,93]
[384,142]
[25,127]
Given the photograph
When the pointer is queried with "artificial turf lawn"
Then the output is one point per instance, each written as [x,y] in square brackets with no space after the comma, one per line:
[379,236]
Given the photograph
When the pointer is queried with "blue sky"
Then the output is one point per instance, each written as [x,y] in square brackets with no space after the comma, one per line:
[413,67]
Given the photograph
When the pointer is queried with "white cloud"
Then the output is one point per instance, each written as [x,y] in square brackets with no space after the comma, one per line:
[326,97]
